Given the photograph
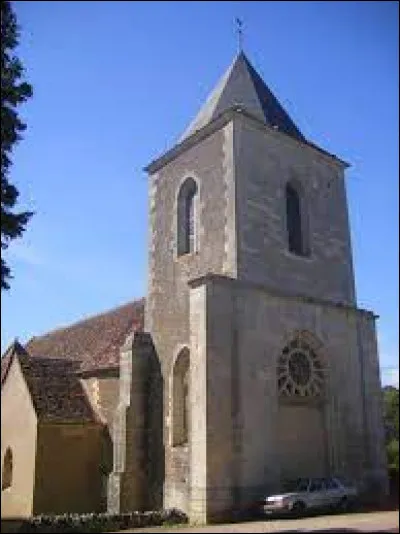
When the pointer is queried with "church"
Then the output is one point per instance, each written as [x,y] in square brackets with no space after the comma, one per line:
[247,364]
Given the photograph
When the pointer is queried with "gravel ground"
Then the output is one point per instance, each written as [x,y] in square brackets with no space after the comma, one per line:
[359,522]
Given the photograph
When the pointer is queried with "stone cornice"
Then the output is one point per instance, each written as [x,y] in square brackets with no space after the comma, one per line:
[218,123]
[218,278]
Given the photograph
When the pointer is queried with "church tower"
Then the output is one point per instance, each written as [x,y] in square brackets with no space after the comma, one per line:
[270,371]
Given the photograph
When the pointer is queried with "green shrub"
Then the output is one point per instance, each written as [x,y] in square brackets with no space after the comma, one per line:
[392,450]
[102,522]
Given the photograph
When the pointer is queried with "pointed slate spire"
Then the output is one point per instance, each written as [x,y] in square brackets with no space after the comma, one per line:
[242,85]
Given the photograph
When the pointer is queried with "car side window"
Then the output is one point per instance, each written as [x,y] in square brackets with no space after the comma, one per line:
[331,484]
[316,485]
[303,485]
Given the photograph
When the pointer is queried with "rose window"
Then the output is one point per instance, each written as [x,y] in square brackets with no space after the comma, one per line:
[300,372]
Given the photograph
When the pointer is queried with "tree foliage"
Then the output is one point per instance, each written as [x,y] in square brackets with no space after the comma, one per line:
[14,91]
[391,419]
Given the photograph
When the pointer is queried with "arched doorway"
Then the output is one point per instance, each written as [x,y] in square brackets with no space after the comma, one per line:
[177,467]
[180,399]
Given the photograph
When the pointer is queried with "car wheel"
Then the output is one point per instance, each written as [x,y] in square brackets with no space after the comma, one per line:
[343,505]
[298,508]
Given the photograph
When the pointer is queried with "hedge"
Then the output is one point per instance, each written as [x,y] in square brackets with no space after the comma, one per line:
[100,522]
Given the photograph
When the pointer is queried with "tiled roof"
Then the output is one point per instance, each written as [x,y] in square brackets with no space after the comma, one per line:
[94,342]
[56,392]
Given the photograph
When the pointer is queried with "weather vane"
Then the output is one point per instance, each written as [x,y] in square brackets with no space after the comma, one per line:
[239,26]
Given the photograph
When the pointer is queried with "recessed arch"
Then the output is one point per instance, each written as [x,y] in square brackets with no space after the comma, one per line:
[180,398]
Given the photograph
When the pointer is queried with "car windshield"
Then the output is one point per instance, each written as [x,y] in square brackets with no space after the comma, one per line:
[301,484]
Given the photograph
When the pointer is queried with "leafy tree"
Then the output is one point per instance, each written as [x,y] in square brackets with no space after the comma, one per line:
[14,92]
[391,419]
[392,450]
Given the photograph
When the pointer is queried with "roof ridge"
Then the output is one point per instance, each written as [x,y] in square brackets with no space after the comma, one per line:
[262,89]
[82,321]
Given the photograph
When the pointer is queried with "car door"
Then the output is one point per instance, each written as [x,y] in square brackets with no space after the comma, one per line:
[302,490]
[334,492]
[316,493]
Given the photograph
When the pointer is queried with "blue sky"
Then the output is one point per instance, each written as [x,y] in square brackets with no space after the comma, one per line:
[116,83]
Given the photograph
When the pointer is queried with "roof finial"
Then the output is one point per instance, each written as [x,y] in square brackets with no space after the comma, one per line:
[239,25]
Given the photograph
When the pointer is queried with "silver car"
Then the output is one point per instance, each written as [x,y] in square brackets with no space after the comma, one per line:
[312,494]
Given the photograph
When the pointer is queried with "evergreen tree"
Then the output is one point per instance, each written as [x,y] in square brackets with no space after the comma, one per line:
[14,91]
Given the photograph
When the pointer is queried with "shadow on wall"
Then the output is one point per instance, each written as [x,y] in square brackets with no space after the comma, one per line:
[106,465]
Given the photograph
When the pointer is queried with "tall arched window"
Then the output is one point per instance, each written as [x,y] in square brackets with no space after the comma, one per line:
[7,470]
[187,214]
[180,399]
[295,221]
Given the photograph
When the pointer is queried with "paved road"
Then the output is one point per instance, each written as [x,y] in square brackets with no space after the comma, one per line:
[365,522]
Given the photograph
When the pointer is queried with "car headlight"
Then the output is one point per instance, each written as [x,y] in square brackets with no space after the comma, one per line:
[283,501]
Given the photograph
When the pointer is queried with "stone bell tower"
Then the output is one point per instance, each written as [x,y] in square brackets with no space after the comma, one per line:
[251,308]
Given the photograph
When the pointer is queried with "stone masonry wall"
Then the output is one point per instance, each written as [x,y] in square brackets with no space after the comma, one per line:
[375,461]
[264,162]
[247,328]
[128,486]
[167,306]
[68,478]
[104,395]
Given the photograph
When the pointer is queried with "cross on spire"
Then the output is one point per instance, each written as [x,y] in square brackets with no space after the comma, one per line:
[239,26]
